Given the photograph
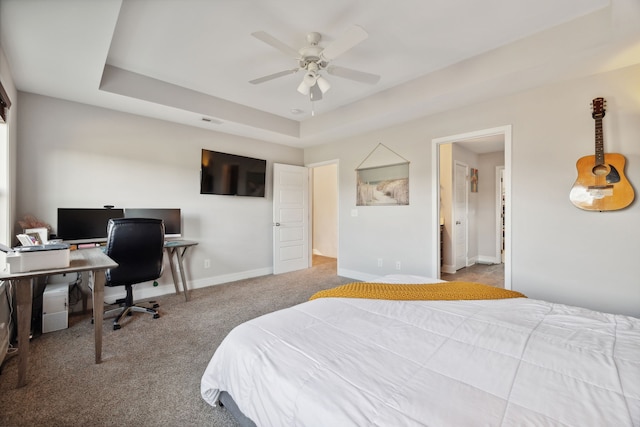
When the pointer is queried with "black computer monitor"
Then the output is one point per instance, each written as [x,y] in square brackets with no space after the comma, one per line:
[170,216]
[85,224]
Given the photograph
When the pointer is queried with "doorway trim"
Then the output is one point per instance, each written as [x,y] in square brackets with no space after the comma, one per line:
[435,194]
[499,219]
[310,168]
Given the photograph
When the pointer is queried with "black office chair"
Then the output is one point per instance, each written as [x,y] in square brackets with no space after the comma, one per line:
[136,244]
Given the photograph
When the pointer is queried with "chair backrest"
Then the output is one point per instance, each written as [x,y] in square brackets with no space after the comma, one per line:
[136,244]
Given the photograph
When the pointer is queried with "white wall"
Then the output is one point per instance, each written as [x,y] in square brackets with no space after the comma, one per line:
[74,155]
[559,252]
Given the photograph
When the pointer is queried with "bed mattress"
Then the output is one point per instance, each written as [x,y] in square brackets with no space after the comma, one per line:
[361,362]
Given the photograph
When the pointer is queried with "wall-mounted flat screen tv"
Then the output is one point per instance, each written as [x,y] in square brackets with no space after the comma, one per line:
[170,217]
[232,175]
[85,224]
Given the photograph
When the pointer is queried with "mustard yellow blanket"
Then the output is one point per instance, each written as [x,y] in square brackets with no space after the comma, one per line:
[436,291]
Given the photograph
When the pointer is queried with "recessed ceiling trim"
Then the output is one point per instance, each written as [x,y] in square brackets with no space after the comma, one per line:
[134,85]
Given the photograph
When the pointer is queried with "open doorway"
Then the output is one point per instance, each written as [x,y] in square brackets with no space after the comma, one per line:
[324,213]
[489,148]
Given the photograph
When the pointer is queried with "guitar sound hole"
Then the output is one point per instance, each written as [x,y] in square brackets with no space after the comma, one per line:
[600,170]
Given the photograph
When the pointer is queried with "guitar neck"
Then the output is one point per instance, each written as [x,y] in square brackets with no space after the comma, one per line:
[599,142]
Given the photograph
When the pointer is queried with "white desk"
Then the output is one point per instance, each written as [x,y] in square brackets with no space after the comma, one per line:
[80,260]
[178,248]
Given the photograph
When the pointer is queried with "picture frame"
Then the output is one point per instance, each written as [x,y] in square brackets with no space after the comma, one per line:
[386,185]
[39,236]
[473,180]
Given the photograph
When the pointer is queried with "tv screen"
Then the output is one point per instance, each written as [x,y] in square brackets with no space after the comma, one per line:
[232,175]
[170,216]
[85,224]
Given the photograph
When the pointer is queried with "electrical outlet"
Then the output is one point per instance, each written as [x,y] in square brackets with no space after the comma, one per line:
[379,262]
[207,263]
[397,265]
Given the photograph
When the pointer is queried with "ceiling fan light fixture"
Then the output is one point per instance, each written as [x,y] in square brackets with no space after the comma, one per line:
[303,88]
[307,82]
[313,59]
[323,84]
[310,78]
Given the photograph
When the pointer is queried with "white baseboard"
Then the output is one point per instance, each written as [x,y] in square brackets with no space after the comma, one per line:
[217,280]
[357,275]
[449,269]
[483,259]
[147,292]
[480,259]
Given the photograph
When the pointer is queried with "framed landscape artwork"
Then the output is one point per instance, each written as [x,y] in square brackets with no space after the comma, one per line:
[383,185]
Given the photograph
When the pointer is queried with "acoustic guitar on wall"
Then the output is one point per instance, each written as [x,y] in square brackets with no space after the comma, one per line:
[601,184]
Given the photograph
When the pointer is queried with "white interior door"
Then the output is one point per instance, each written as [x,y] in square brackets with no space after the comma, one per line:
[460,214]
[290,218]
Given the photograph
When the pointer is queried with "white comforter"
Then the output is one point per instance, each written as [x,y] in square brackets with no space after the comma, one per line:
[355,362]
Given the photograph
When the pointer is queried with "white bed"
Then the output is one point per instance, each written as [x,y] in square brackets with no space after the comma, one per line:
[368,362]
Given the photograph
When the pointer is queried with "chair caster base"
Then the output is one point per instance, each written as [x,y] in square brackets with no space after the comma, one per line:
[156,316]
[116,326]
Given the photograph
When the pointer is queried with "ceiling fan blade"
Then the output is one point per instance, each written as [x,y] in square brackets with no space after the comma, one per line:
[352,37]
[274,42]
[348,73]
[315,93]
[272,76]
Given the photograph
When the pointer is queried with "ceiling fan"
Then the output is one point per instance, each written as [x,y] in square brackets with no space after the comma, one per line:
[313,59]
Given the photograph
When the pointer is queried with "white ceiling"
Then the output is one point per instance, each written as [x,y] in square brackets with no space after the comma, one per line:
[182,60]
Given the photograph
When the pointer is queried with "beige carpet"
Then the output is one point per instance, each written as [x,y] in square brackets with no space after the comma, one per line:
[151,370]
[489,274]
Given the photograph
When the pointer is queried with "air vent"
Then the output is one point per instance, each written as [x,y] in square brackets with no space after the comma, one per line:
[211,120]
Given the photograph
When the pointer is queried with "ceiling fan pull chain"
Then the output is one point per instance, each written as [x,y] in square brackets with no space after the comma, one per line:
[313,111]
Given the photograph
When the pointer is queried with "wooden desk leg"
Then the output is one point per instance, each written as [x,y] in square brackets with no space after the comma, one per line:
[173,269]
[24,297]
[98,308]
[181,268]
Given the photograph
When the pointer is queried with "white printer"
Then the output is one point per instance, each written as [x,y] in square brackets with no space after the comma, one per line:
[39,257]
